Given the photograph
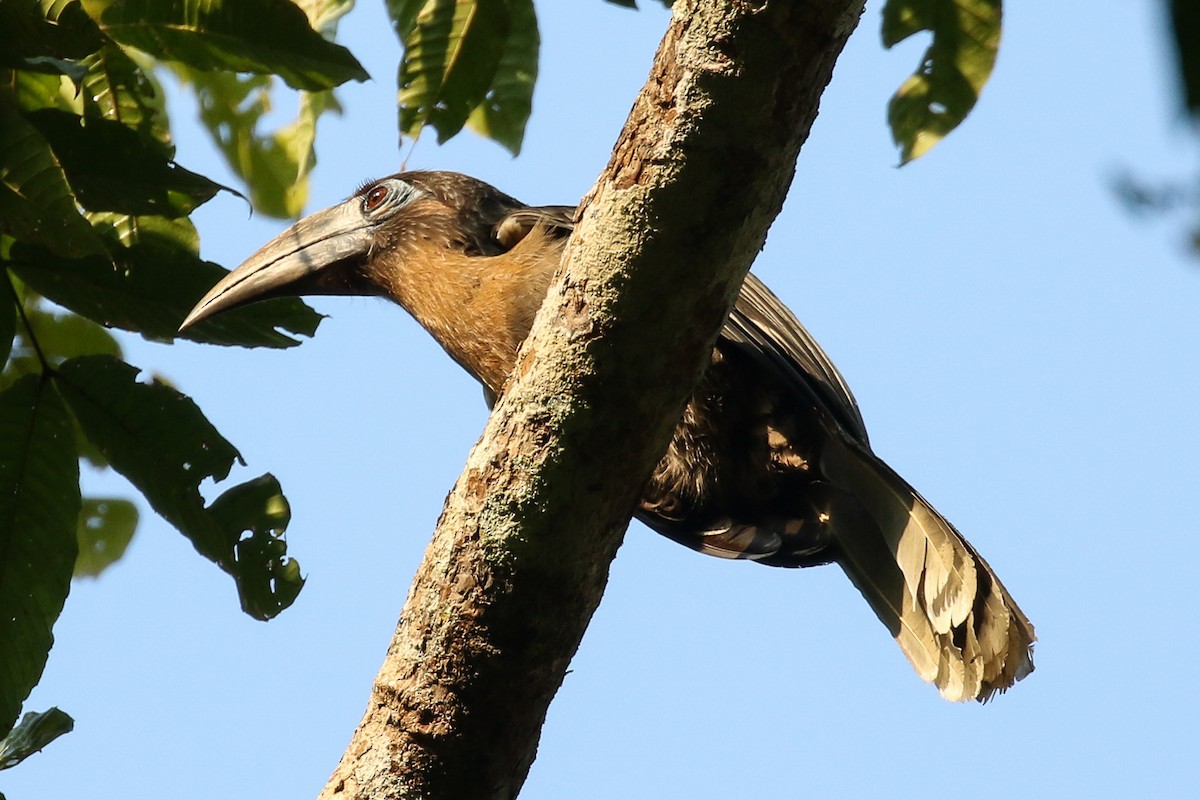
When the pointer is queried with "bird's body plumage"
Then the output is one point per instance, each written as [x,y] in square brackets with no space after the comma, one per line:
[770,461]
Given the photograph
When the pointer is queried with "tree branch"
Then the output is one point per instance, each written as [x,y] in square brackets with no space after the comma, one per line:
[521,554]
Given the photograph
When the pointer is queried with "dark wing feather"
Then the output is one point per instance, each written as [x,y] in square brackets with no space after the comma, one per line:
[769,332]
[944,605]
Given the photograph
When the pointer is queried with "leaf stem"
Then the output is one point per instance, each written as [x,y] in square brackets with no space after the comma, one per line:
[37,348]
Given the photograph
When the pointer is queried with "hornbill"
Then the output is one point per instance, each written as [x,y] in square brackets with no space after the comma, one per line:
[771,460]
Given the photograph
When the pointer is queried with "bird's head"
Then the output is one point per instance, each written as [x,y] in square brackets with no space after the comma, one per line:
[363,245]
[470,263]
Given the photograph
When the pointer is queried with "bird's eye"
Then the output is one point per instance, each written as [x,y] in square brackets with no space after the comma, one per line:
[375,197]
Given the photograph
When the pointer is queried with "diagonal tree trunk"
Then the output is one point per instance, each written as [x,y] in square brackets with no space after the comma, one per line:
[521,554]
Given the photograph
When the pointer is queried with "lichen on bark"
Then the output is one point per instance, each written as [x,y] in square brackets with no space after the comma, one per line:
[521,553]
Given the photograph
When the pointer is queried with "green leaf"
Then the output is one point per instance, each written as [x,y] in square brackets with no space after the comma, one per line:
[63,336]
[1185,31]
[62,31]
[159,440]
[502,114]
[943,90]
[152,281]
[116,88]
[36,203]
[57,336]
[53,66]
[112,168]
[275,166]
[106,526]
[289,156]
[404,16]
[22,359]
[451,56]
[291,151]
[323,15]
[258,36]
[259,513]
[37,729]
[34,90]
[39,506]
[8,318]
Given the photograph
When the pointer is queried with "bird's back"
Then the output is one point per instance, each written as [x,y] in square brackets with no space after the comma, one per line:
[771,463]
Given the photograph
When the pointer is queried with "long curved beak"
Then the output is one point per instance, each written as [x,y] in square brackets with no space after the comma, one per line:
[294,262]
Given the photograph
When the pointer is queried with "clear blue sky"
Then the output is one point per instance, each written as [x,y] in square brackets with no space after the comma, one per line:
[1024,352]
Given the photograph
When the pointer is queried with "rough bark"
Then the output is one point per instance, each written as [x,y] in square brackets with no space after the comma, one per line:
[521,554]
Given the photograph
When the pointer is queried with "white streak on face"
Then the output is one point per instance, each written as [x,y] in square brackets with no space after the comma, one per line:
[386,197]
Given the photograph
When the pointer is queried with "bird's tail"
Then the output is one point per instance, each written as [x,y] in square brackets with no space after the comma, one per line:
[954,620]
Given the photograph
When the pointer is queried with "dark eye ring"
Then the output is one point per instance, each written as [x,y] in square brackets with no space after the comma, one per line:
[375,197]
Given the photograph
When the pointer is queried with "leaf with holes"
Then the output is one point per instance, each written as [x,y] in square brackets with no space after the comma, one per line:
[255,514]
[959,61]
[159,440]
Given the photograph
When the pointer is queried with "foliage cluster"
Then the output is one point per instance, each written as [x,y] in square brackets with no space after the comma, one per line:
[95,235]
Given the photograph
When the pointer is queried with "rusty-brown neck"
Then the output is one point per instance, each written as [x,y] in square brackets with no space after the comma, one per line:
[479,308]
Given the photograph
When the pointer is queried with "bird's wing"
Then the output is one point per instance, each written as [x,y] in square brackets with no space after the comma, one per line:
[946,608]
[517,224]
[759,322]
[941,601]
[770,333]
